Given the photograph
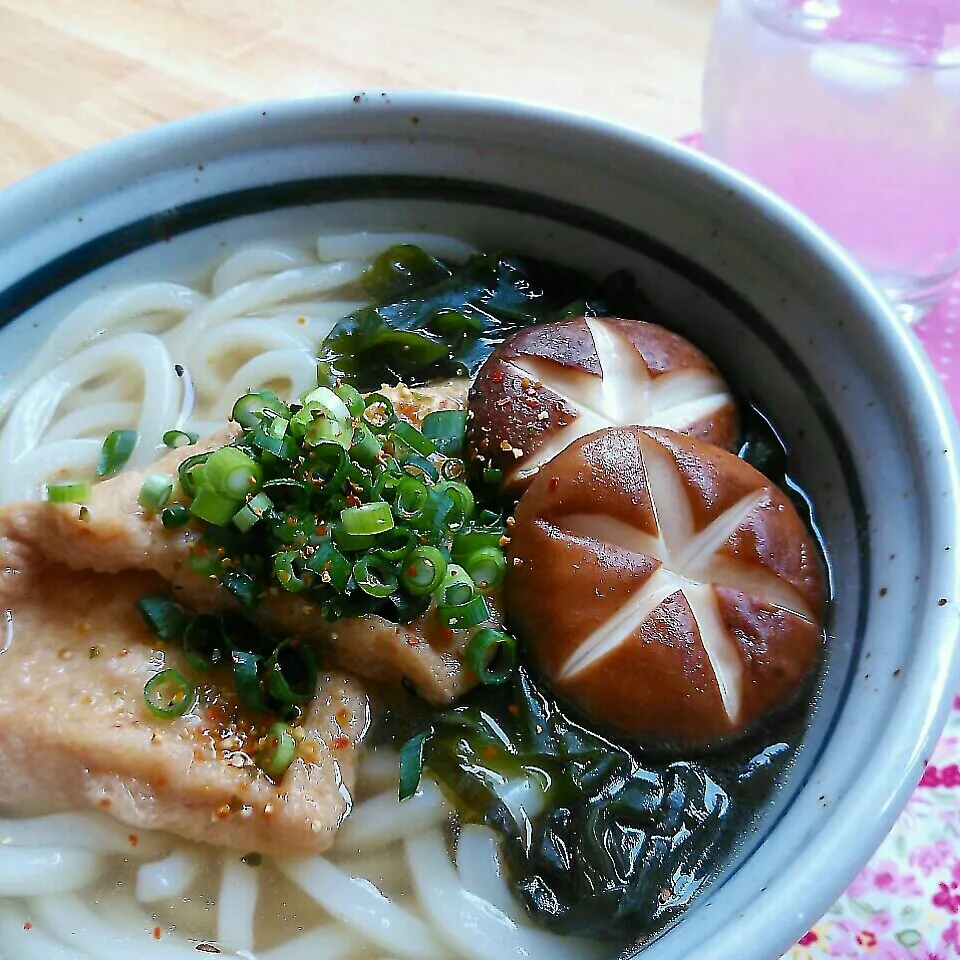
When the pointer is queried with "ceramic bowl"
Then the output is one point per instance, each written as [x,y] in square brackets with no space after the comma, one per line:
[781,310]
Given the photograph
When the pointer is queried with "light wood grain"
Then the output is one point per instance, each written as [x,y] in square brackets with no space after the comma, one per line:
[74,73]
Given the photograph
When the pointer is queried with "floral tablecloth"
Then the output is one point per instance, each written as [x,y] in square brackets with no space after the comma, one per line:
[905,904]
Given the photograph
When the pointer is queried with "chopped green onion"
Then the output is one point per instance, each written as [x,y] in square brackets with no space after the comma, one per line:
[331,566]
[464,615]
[447,429]
[116,451]
[452,469]
[418,466]
[286,572]
[367,519]
[491,655]
[242,586]
[365,447]
[414,439]
[423,570]
[278,752]
[174,439]
[375,576]
[457,588]
[214,507]
[324,429]
[190,471]
[246,680]
[201,643]
[163,615]
[379,412]
[68,491]
[486,567]
[352,398]
[169,694]
[353,541]
[205,561]
[176,516]
[292,674]
[252,512]
[467,543]
[462,498]
[411,763]
[231,473]
[156,492]
[248,410]
[329,402]
[275,426]
[411,497]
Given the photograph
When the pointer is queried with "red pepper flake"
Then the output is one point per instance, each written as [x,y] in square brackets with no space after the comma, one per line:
[133,839]
[354,501]
[343,717]
[513,709]
[497,376]
[156,933]
[554,483]
[28,926]
[489,752]
[105,804]
[340,743]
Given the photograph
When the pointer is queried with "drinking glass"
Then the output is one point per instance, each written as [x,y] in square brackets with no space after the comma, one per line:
[849,109]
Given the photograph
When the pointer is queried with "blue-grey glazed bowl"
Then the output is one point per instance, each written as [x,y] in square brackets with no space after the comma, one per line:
[783,312]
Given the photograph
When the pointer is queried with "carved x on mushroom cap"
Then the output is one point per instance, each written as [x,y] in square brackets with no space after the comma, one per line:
[665,586]
[552,384]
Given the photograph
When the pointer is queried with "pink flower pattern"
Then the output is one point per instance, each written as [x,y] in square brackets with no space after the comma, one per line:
[905,904]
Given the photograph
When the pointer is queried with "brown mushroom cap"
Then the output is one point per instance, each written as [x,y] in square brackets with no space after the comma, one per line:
[553,383]
[664,586]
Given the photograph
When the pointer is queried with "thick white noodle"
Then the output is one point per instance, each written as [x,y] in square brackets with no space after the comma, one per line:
[256,295]
[95,832]
[73,922]
[75,458]
[28,871]
[104,314]
[385,868]
[237,904]
[383,819]
[378,770]
[170,878]
[92,421]
[362,907]
[482,871]
[256,260]
[32,943]
[474,927]
[367,245]
[329,942]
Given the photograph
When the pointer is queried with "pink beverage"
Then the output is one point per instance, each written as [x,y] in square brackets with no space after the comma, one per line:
[849,109]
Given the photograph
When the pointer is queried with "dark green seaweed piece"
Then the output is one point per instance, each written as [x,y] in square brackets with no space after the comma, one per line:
[617,845]
[448,325]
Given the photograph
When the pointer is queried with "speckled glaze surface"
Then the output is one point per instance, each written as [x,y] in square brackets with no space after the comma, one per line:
[781,311]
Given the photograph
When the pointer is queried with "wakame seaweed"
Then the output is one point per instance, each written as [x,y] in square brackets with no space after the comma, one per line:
[432,320]
[600,842]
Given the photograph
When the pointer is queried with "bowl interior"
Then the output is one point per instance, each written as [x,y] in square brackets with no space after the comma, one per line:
[783,318]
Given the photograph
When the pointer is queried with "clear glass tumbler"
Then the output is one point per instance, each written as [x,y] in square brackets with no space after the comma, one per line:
[849,109]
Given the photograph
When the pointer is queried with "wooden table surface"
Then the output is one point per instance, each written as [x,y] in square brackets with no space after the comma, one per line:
[74,73]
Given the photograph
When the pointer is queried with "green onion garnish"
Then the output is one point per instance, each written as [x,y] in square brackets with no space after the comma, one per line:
[252,512]
[332,406]
[486,567]
[491,655]
[214,507]
[375,576]
[176,516]
[231,473]
[278,751]
[292,674]
[248,409]
[163,615]
[369,519]
[202,642]
[169,694]
[156,492]
[190,471]
[447,429]
[457,588]
[116,451]
[174,439]
[462,616]
[287,566]
[423,570]
[414,439]
[352,397]
[68,491]
[246,680]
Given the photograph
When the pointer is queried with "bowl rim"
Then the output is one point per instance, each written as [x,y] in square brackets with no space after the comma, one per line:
[925,699]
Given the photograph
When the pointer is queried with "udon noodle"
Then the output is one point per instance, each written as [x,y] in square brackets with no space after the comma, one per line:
[400,882]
